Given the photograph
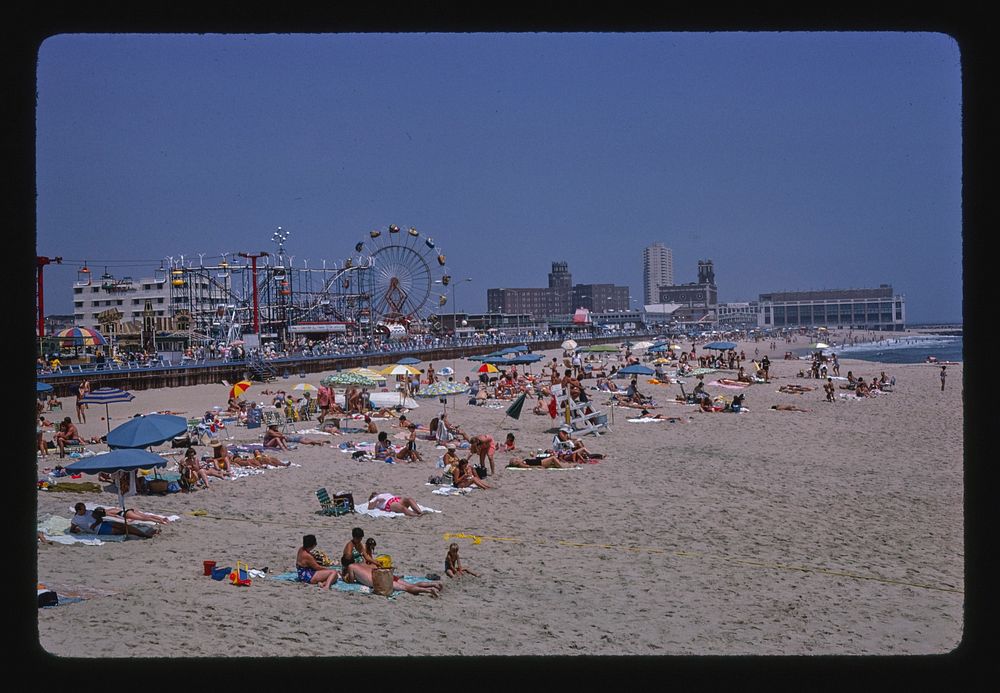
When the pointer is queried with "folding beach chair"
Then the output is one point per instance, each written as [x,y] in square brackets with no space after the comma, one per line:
[341,504]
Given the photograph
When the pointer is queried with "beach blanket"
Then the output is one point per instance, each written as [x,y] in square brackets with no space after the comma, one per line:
[728,383]
[544,469]
[316,432]
[650,419]
[449,490]
[362,508]
[342,586]
[56,529]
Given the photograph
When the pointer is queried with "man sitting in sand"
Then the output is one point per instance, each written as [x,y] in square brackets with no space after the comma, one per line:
[67,434]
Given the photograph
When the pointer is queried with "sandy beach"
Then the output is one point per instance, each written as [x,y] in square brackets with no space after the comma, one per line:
[835,531]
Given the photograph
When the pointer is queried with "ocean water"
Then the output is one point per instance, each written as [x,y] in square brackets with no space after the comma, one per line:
[909,349]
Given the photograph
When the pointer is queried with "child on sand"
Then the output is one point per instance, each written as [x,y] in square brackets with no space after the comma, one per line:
[453,564]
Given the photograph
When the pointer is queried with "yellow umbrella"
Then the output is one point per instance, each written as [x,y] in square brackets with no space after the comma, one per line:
[488,368]
[368,373]
[661,360]
[239,388]
[400,369]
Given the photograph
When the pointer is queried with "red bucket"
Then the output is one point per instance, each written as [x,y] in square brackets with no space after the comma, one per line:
[208,567]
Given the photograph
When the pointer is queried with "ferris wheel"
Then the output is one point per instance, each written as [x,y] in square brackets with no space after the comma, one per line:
[408,274]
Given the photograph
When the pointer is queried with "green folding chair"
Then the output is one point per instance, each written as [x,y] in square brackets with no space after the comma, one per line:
[338,505]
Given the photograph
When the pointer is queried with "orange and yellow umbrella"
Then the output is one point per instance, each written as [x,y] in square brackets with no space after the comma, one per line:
[239,388]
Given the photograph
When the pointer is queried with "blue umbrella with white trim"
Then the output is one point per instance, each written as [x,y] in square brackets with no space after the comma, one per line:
[106,396]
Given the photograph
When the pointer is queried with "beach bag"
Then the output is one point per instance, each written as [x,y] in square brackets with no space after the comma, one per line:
[157,485]
[382,581]
[47,598]
[480,470]
[173,487]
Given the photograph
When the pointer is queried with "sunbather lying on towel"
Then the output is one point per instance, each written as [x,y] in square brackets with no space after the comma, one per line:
[362,574]
[539,462]
[394,504]
[92,522]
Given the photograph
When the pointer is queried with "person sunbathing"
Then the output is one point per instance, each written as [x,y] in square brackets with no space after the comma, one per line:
[67,434]
[409,451]
[389,502]
[192,472]
[355,551]
[273,438]
[787,407]
[660,417]
[309,569]
[463,476]
[362,574]
[537,462]
[93,522]
[268,460]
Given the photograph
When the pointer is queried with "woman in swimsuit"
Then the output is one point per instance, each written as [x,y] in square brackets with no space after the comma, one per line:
[309,569]
[394,504]
[465,477]
[362,574]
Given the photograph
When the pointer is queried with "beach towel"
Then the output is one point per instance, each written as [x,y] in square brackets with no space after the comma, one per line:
[56,529]
[362,508]
[544,469]
[649,419]
[342,586]
[448,490]
[728,383]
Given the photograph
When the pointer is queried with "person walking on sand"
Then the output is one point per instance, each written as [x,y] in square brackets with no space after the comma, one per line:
[944,374]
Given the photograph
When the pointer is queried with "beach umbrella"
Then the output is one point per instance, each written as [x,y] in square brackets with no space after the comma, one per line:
[636,369]
[818,345]
[408,361]
[488,368]
[524,359]
[657,349]
[402,369]
[368,373]
[81,336]
[661,360]
[569,345]
[348,379]
[514,410]
[106,396]
[600,348]
[721,346]
[641,345]
[442,389]
[42,387]
[239,388]
[144,431]
[306,387]
[447,370]
[126,460]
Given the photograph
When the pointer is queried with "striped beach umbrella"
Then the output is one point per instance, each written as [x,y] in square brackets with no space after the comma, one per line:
[81,336]
[306,387]
[400,369]
[347,379]
[367,373]
[106,396]
[239,388]
[488,368]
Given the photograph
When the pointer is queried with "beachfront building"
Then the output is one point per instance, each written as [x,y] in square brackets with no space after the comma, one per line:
[560,298]
[737,316]
[869,309]
[111,304]
[698,300]
[657,271]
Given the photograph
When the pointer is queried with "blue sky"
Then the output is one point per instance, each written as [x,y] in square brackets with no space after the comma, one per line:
[794,161]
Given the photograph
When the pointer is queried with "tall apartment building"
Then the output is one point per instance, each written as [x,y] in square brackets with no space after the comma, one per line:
[657,271]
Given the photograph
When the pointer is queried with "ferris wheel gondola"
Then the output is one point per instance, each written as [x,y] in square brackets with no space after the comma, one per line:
[405,265]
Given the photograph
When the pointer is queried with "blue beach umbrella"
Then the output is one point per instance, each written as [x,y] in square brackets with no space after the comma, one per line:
[636,369]
[126,460]
[42,387]
[721,346]
[144,431]
[106,396]
[408,361]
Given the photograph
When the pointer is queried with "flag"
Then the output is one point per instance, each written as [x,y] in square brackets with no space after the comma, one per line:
[514,410]
[553,409]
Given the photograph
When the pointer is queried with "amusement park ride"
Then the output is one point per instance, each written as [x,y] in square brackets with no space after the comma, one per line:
[386,286]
